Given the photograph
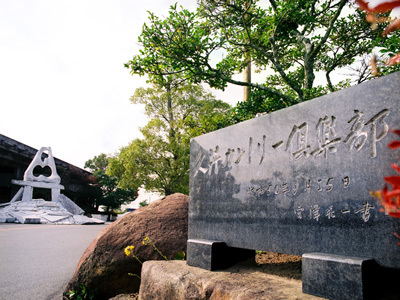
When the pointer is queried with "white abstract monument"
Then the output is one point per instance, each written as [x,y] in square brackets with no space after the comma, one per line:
[60,210]
[30,180]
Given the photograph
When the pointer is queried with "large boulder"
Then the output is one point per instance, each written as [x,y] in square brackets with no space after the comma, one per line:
[104,266]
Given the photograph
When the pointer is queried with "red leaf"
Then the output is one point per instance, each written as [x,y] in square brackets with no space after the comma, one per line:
[392,196]
[383,7]
[394,215]
[387,196]
[396,168]
[374,66]
[392,27]
[363,5]
[393,180]
[394,60]
[371,18]
[394,144]
[386,6]
[396,131]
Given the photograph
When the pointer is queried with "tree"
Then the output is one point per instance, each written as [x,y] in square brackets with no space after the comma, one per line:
[160,161]
[109,194]
[295,40]
[153,163]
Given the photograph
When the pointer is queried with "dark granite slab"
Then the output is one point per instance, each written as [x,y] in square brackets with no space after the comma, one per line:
[338,277]
[212,255]
[297,180]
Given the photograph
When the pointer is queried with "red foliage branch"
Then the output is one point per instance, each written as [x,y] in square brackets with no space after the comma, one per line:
[393,26]
[380,8]
[390,199]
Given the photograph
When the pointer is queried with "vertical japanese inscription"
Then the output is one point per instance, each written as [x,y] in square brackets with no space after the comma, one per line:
[297,144]
[358,135]
[327,139]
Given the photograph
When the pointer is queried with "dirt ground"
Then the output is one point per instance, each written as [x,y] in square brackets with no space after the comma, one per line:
[279,264]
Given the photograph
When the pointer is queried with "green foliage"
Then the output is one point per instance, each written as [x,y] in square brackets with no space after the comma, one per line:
[160,161]
[390,50]
[143,203]
[108,193]
[292,39]
[261,102]
[148,242]
[205,123]
[152,162]
[119,211]
[180,255]
[81,293]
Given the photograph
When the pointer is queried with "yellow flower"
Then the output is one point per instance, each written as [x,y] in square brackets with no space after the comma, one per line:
[128,250]
[146,241]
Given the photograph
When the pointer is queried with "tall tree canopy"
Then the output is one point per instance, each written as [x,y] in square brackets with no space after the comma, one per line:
[160,161]
[296,40]
[109,194]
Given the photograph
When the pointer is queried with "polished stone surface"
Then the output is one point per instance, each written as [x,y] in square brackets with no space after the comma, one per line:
[297,180]
[338,277]
[214,255]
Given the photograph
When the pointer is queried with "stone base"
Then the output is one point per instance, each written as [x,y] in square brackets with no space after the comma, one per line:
[177,280]
[343,277]
[39,211]
[214,255]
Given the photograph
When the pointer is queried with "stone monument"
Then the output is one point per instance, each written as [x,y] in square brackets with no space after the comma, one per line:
[297,181]
[48,182]
[60,210]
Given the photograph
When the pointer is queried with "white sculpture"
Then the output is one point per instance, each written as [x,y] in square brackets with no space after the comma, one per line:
[30,180]
[60,210]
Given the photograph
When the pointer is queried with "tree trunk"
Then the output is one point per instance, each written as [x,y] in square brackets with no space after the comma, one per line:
[309,75]
[170,113]
[247,78]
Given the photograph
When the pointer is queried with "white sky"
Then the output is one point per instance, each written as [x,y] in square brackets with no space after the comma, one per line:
[62,79]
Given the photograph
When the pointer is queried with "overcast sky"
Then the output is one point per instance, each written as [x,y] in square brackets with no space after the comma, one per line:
[62,79]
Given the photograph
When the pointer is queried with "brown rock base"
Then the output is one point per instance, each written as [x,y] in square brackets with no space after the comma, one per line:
[177,280]
[104,268]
